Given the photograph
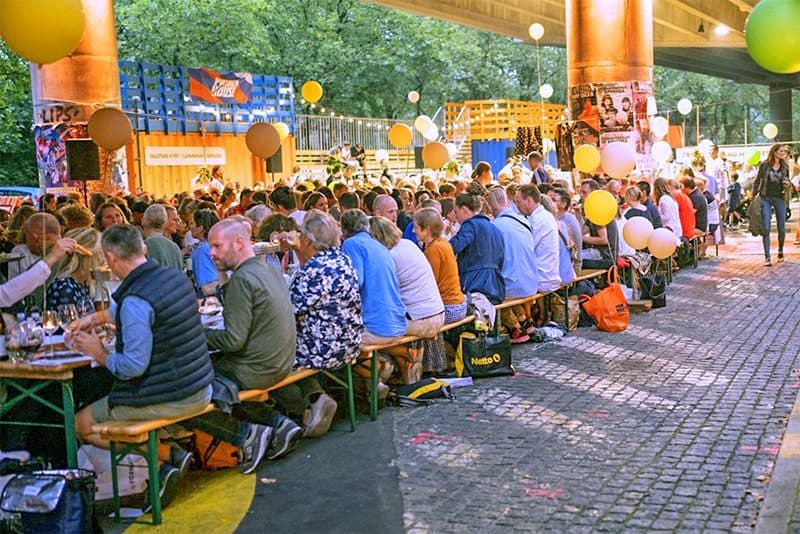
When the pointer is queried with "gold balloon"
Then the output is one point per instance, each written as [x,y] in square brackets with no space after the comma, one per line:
[263,139]
[662,243]
[42,31]
[600,207]
[586,158]
[311,91]
[435,155]
[283,129]
[400,135]
[110,128]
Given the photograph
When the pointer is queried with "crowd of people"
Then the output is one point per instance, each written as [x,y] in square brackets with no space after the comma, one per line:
[356,266]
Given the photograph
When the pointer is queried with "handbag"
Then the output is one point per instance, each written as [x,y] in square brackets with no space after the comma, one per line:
[480,356]
[573,311]
[608,308]
[653,287]
[54,501]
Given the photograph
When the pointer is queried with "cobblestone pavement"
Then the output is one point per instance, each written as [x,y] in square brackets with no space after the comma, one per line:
[672,425]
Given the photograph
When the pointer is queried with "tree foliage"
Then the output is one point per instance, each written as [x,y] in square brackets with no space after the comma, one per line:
[366,57]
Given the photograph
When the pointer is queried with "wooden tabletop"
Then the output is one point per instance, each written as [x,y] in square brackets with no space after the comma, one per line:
[59,371]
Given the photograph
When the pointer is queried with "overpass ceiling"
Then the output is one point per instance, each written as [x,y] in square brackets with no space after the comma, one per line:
[678,43]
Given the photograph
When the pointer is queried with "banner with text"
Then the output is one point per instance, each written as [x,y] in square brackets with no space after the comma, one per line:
[220,87]
[174,156]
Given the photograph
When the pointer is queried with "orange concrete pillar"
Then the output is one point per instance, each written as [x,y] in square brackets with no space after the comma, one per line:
[65,94]
[609,41]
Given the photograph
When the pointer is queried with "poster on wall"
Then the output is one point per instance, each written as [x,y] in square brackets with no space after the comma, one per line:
[51,151]
[583,109]
[220,87]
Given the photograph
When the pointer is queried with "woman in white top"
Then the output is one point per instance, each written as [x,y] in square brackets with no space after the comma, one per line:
[418,291]
[667,207]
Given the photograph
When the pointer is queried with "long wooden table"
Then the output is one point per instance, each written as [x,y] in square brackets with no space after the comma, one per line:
[28,380]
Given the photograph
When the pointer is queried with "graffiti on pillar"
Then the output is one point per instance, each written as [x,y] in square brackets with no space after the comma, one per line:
[51,152]
[62,112]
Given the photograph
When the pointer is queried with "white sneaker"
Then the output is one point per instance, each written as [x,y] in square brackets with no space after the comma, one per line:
[317,419]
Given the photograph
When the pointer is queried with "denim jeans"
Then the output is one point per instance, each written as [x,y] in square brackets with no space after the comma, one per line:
[767,205]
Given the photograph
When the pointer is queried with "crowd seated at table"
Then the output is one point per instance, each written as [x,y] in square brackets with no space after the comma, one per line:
[359,265]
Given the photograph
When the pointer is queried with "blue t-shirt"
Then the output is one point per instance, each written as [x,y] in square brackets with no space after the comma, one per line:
[203,266]
[383,311]
[409,234]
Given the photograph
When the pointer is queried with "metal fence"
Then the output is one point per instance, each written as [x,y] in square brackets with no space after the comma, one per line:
[321,133]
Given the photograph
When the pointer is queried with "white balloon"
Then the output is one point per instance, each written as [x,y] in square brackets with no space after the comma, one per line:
[546,90]
[636,232]
[661,151]
[536,31]
[618,159]
[684,106]
[381,155]
[706,145]
[431,133]
[659,126]
[422,123]
[452,149]
[770,131]
[413,97]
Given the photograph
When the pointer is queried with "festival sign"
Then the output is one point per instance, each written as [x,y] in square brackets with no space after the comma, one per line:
[175,156]
[220,87]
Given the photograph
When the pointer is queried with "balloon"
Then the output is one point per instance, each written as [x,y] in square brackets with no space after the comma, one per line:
[110,128]
[400,135]
[546,90]
[662,242]
[435,154]
[637,232]
[536,31]
[452,149]
[413,97]
[706,145]
[263,139]
[771,35]
[381,155]
[661,151]
[618,159]
[754,157]
[311,91]
[600,207]
[422,123]
[283,129]
[659,126]
[42,31]
[431,133]
[684,106]
[586,158]
[770,131]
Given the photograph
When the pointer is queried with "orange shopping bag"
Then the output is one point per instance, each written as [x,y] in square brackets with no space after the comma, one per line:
[609,307]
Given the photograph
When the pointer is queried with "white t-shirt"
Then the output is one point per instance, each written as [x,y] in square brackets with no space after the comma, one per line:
[418,289]
[670,216]
[545,237]
[298,216]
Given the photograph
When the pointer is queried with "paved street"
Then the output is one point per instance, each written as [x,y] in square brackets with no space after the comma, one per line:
[674,424]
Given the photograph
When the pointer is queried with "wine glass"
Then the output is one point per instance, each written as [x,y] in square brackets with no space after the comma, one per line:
[50,323]
[67,313]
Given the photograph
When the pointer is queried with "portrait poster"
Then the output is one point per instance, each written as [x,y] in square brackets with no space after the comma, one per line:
[583,110]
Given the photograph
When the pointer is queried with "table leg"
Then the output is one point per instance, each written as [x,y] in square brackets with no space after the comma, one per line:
[373,389]
[566,307]
[152,467]
[69,424]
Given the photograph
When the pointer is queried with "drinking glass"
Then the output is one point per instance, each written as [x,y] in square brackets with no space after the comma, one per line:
[50,323]
[14,342]
[67,313]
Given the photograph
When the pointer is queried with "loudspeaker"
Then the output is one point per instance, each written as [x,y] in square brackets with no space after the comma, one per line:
[418,163]
[275,163]
[83,159]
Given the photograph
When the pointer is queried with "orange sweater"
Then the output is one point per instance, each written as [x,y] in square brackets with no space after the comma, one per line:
[445,270]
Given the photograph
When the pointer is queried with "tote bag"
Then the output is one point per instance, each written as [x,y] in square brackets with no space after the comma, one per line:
[608,308]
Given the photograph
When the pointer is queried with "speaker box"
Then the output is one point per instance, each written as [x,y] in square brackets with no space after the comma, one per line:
[275,163]
[83,159]
[418,163]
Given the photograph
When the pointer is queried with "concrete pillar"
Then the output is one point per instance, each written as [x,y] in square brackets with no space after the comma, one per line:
[66,92]
[609,41]
[780,110]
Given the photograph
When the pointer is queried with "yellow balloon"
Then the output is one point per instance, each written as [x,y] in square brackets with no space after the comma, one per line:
[283,129]
[435,154]
[600,207]
[586,158]
[400,135]
[42,31]
[311,91]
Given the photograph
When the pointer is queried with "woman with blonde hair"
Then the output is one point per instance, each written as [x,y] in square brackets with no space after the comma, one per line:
[73,282]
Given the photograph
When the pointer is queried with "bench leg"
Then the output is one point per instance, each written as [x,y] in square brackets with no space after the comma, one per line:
[115,480]
[373,387]
[695,252]
[351,400]
[566,307]
[152,468]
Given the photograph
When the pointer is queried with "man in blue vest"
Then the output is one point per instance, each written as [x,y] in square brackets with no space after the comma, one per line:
[160,362]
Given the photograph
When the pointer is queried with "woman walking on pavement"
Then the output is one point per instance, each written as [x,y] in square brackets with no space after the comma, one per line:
[771,182]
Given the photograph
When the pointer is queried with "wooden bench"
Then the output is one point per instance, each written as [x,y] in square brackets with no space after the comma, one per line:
[367,351]
[133,434]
